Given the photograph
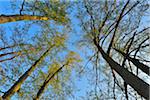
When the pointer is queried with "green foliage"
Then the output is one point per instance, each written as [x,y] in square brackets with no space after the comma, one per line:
[72,58]
[54,9]
[50,36]
[64,74]
[59,40]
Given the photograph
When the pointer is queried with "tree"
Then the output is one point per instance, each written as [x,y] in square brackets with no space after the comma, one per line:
[55,42]
[110,24]
[55,69]
[49,12]
[39,50]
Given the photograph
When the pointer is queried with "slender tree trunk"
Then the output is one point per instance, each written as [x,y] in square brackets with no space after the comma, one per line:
[45,84]
[136,83]
[20,81]
[136,62]
[14,18]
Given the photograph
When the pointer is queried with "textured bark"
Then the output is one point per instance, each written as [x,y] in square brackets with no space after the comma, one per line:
[14,18]
[136,62]
[20,81]
[136,83]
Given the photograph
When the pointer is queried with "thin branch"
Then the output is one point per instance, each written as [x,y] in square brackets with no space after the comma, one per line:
[22,7]
[9,53]
[116,27]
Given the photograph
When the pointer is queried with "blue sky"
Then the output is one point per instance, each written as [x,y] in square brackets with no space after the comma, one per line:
[81,82]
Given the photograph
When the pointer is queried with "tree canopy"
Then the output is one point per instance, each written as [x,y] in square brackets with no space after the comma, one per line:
[75,50]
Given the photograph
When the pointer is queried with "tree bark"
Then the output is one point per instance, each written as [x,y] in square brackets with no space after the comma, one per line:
[14,18]
[136,83]
[136,62]
[20,81]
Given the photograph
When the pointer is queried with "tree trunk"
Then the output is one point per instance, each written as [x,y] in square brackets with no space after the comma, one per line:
[136,62]
[136,83]
[45,84]
[20,81]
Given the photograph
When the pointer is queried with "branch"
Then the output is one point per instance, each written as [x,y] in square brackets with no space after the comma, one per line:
[16,86]
[47,80]
[135,82]
[9,53]
[136,62]
[22,7]
[116,27]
